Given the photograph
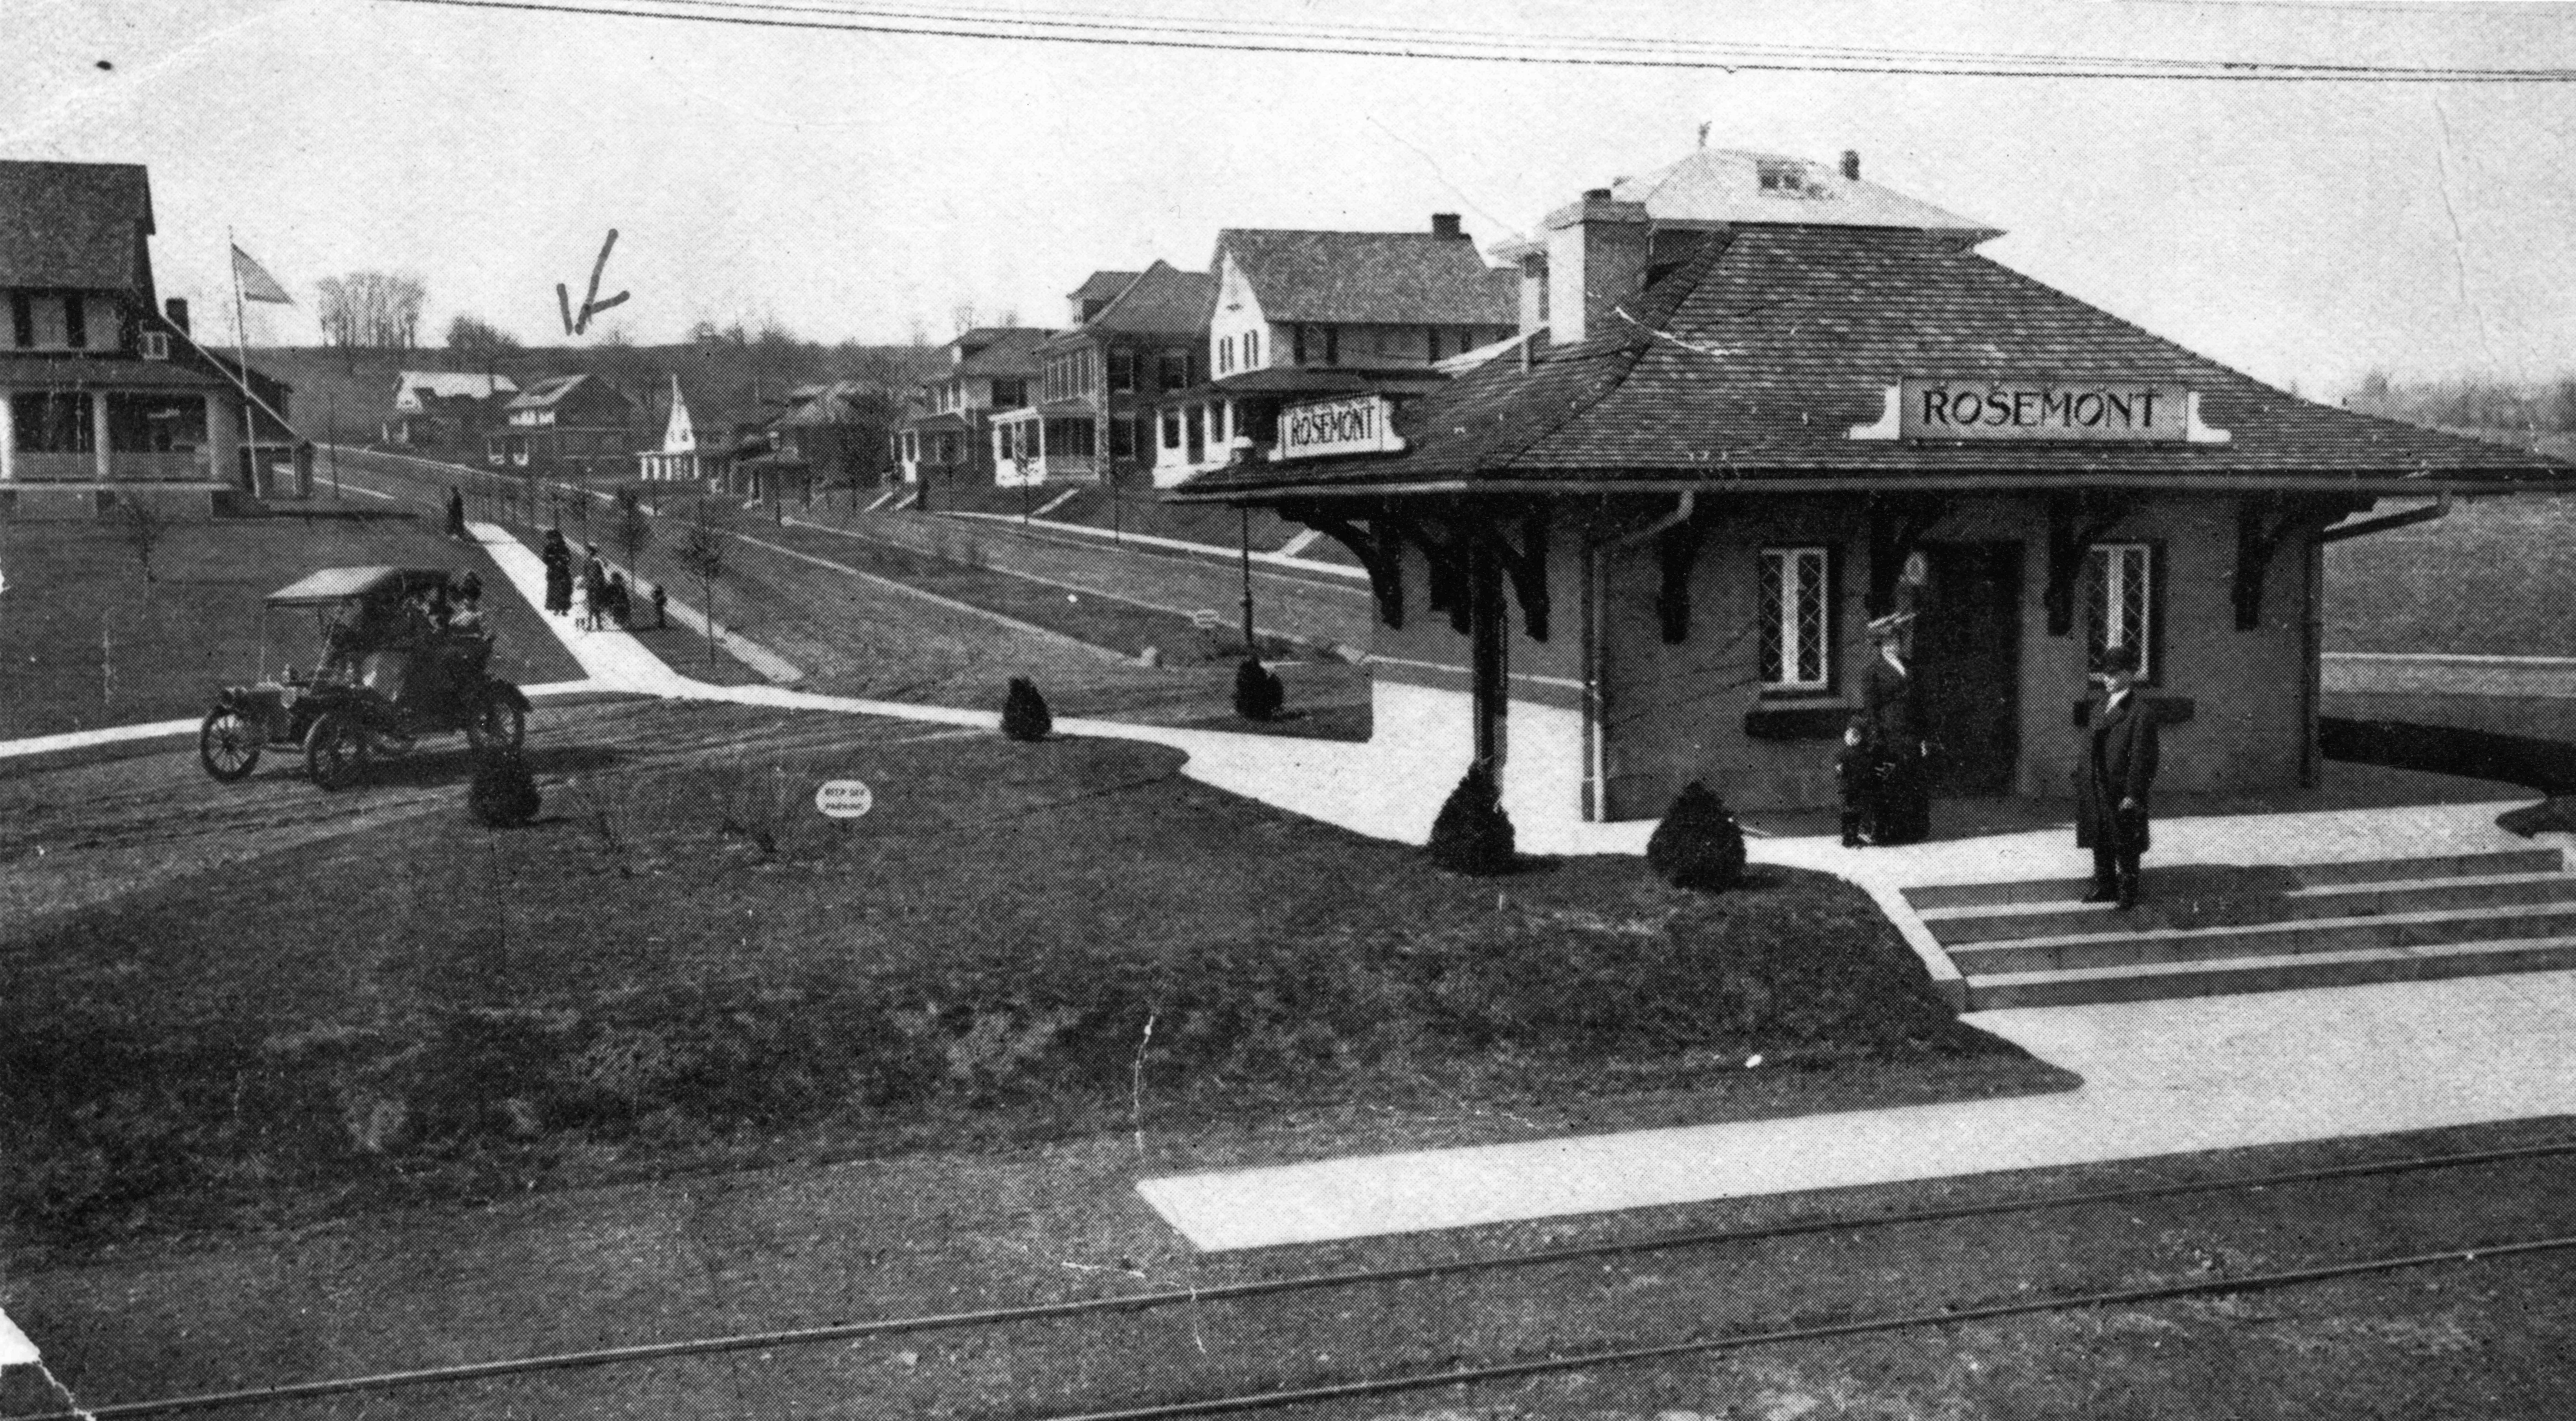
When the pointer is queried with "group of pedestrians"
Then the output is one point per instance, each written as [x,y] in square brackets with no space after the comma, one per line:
[1885,767]
[604,599]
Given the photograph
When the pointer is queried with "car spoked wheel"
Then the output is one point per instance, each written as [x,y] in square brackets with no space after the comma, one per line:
[499,725]
[228,744]
[335,752]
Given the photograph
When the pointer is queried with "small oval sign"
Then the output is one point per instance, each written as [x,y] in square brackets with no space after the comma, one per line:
[844,799]
[1204,619]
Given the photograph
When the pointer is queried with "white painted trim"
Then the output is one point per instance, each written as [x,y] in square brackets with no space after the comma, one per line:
[2446,658]
[2195,432]
[1890,418]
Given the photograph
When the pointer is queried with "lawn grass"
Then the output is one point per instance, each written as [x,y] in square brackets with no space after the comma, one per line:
[694,964]
[88,644]
[2493,578]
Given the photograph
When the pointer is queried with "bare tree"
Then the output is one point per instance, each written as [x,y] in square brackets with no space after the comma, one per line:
[701,556]
[962,316]
[370,308]
[474,336]
[634,532]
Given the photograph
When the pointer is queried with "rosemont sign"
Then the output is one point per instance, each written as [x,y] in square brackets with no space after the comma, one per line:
[1353,424]
[2097,410]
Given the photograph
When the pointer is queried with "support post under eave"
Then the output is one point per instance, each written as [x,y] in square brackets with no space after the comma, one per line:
[1486,627]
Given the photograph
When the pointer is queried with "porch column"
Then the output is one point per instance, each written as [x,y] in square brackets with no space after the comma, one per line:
[1485,631]
[98,431]
[8,436]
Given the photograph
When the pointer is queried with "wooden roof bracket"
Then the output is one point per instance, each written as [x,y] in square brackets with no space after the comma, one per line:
[1375,543]
[1448,559]
[1526,566]
[1676,537]
[2075,523]
[2266,521]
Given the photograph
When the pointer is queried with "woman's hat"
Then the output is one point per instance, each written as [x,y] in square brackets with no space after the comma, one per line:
[1890,624]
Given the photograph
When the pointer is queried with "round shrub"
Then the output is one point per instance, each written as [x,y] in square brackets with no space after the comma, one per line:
[503,793]
[1699,844]
[1024,712]
[1472,834]
[1257,692]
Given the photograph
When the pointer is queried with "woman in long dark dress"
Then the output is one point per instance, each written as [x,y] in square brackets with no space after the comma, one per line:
[557,556]
[1891,701]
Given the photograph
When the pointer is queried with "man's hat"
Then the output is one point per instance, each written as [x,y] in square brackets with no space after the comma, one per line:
[1890,624]
[2119,658]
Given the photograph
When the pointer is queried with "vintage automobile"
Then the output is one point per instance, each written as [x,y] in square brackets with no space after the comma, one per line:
[389,673]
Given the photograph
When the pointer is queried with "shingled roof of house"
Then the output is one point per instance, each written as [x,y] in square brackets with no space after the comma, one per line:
[1160,301]
[1003,350]
[1760,356]
[74,224]
[1102,285]
[1392,278]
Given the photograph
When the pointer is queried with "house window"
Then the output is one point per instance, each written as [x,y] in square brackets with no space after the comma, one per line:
[1122,371]
[1252,350]
[1175,371]
[75,322]
[22,317]
[1797,620]
[55,422]
[2121,610]
[1225,356]
[1171,429]
[1122,438]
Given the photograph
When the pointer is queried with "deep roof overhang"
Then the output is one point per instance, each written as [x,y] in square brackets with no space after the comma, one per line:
[2472,484]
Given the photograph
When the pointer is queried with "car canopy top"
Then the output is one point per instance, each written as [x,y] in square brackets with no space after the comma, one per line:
[340,584]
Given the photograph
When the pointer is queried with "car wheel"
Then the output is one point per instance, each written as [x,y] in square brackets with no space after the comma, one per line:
[335,752]
[498,724]
[228,744]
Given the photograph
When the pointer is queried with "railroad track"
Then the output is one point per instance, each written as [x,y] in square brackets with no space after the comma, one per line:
[1737,1250]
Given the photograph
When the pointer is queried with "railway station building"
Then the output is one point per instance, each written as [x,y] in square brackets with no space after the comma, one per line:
[1756,402]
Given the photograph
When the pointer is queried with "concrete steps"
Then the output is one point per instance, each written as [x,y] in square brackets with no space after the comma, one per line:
[2205,930]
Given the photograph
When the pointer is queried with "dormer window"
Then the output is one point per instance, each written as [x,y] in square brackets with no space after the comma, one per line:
[156,345]
[1788,178]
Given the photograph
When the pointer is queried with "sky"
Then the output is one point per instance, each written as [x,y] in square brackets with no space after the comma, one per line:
[860,186]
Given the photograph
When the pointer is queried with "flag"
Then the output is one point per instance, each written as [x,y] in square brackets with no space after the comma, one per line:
[255,282]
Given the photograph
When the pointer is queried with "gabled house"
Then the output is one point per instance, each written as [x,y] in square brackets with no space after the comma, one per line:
[833,435]
[104,396]
[1763,402]
[948,438]
[436,409]
[1090,416]
[684,457]
[1372,316]
[569,427]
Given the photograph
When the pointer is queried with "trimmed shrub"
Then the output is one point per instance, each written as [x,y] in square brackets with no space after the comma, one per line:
[1698,844]
[1472,834]
[1024,712]
[2556,815]
[1257,692]
[503,793]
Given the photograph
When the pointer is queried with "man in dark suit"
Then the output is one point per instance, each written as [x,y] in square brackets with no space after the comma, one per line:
[2111,785]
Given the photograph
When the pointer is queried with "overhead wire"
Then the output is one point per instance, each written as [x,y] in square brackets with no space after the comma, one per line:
[1173,33]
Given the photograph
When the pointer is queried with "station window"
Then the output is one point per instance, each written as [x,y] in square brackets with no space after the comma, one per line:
[2121,588]
[1797,619]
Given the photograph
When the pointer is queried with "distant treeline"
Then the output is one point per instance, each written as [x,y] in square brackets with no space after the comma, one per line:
[2470,404]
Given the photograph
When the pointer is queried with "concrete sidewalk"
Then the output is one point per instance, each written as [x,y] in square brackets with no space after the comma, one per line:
[2160,1078]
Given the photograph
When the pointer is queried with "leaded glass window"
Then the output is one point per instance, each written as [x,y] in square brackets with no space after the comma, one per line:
[1796,620]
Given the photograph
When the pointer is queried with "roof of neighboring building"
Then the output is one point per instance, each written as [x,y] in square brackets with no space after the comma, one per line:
[73,224]
[1726,185]
[1006,351]
[74,373]
[555,389]
[1396,278]
[834,404]
[1315,380]
[1101,285]
[449,385]
[1160,301]
[1757,357]
[949,419]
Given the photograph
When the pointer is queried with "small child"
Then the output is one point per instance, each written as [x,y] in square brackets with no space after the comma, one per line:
[1857,769]
[661,607]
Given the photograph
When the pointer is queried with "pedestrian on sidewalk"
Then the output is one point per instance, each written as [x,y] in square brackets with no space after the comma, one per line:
[1891,699]
[661,607]
[1856,770]
[455,513]
[594,587]
[557,556]
[2119,766]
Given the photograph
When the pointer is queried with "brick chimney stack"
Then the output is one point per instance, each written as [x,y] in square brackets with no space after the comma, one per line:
[176,308]
[1851,165]
[1445,225]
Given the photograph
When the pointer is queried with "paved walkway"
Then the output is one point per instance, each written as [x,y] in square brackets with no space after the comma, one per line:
[2160,1078]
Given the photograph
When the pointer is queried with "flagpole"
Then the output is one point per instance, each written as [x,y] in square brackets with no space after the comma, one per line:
[241,351]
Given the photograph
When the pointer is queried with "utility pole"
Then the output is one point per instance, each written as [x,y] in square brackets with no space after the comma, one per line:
[332,400]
